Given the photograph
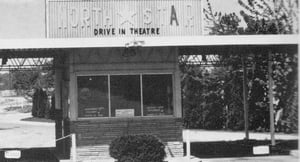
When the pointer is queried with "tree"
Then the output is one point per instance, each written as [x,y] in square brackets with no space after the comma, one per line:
[40,105]
[5,83]
[286,89]
[25,81]
[261,17]
[202,97]
[270,16]
[227,24]
[275,17]
[36,84]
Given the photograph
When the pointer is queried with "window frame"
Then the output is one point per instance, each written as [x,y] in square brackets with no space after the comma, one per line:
[108,75]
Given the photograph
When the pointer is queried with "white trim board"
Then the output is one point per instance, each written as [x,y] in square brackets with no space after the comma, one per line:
[149,41]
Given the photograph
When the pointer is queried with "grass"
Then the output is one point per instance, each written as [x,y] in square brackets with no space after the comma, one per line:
[239,148]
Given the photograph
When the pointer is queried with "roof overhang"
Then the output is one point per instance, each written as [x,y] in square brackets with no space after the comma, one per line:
[232,40]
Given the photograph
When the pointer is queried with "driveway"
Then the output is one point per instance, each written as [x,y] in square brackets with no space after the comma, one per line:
[15,133]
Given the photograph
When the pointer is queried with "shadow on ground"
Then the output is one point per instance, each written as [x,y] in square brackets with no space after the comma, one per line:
[35,119]
[239,148]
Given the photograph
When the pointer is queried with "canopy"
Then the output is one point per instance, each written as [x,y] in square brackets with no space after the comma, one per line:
[235,40]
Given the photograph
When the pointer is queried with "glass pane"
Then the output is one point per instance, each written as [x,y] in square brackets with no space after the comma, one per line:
[92,96]
[157,95]
[125,95]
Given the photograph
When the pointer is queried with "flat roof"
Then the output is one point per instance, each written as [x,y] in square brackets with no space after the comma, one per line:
[226,40]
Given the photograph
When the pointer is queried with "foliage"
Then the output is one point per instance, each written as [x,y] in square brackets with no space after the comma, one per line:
[36,84]
[25,81]
[258,93]
[137,148]
[261,17]
[286,86]
[202,98]
[40,105]
[270,17]
[292,110]
[233,98]
[227,24]
[216,95]
[5,81]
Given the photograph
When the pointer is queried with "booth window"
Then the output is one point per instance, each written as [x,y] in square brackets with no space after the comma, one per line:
[92,96]
[125,95]
[157,95]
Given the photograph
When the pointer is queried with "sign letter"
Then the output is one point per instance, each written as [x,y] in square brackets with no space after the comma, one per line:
[162,16]
[107,19]
[85,20]
[74,18]
[97,12]
[173,16]
[63,17]
[95,32]
[147,17]
[189,17]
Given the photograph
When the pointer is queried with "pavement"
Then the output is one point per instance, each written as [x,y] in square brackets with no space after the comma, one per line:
[286,158]
[221,135]
[15,133]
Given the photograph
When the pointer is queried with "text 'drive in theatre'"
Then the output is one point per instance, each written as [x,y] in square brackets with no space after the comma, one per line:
[123,18]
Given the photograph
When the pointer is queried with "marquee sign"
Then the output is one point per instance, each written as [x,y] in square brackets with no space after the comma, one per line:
[123,18]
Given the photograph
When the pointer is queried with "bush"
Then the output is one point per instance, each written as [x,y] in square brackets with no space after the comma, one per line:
[40,104]
[137,148]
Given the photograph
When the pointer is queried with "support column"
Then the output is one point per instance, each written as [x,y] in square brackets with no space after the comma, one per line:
[72,98]
[58,82]
[272,127]
[177,92]
[59,124]
[245,97]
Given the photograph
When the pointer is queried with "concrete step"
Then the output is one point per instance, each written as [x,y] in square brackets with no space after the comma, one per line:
[64,160]
[294,153]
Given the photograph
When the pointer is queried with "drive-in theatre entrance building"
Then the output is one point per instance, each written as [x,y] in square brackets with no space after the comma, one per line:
[116,66]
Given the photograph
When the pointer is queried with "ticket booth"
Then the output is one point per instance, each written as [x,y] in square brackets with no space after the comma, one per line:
[116,90]
[107,93]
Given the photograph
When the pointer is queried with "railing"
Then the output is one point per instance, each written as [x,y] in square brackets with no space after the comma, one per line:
[73,145]
[188,146]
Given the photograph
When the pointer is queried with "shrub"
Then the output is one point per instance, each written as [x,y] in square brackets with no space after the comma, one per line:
[137,148]
[40,104]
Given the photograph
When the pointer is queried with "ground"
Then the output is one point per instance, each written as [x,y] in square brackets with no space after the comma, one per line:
[240,159]
[220,135]
[16,131]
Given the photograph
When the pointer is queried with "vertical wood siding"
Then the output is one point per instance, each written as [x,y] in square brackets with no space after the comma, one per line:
[69,18]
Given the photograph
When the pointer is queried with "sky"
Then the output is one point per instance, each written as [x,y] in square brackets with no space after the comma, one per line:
[22,18]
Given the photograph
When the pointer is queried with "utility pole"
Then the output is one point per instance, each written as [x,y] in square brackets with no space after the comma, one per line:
[245,97]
